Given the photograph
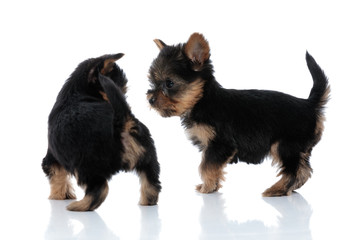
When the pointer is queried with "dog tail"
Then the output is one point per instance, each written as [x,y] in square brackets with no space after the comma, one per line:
[116,99]
[320,91]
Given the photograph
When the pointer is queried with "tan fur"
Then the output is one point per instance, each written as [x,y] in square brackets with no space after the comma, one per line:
[321,119]
[287,183]
[85,203]
[212,175]
[190,97]
[108,66]
[275,155]
[279,188]
[133,150]
[105,97]
[159,44]
[148,193]
[60,185]
[164,103]
[178,105]
[202,132]
[197,49]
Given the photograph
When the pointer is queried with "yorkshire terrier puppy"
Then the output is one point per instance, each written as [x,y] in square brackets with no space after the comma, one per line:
[92,135]
[231,125]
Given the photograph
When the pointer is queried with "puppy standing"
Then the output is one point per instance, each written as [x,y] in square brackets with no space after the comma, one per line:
[237,125]
[93,135]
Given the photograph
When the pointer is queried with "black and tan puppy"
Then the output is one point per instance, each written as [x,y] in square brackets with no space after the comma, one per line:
[92,135]
[237,125]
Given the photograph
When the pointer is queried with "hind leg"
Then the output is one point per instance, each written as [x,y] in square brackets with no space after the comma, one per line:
[295,169]
[96,191]
[148,170]
[59,178]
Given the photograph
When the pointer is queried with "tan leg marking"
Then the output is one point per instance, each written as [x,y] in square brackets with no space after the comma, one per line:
[148,193]
[287,183]
[133,150]
[60,185]
[86,204]
[211,175]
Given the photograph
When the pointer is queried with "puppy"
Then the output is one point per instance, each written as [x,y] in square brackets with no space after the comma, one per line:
[231,125]
[92,135]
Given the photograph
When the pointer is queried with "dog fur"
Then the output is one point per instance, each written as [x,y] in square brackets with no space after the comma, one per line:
[231,125]
[92,135]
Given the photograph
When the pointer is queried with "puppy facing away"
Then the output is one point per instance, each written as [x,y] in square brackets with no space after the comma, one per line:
[231,125]
[92,135]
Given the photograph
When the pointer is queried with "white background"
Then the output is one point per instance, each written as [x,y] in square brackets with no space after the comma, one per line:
[254,44]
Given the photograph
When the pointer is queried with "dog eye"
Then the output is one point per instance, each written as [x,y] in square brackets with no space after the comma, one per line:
[169,83]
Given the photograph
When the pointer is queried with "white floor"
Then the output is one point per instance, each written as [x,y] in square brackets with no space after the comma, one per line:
[256,44]
[237,212]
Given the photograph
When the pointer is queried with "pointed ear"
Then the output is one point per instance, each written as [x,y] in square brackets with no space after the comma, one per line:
[109,62]
[197,50]
[160,44]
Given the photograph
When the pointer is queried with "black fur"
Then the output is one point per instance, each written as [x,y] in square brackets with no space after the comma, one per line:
[245,124]
[87,135]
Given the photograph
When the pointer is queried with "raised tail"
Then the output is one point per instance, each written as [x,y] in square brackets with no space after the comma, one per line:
[116,99]
[320,91]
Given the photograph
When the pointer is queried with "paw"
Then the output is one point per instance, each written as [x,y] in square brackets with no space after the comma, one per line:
[275,192]
[203,188]
[85,204]
[79,206]
[62,195]
[149,200]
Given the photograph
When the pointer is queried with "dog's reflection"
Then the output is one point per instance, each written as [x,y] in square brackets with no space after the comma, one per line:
[65,224]
[150,222]
[292,215]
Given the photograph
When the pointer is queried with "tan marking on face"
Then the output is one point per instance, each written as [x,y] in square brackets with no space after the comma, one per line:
[148,193]
[132,149]
[163,105]
[60,185]
[190,97]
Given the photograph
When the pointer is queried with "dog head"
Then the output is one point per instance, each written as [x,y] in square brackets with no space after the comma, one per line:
[176,76]
[86,74]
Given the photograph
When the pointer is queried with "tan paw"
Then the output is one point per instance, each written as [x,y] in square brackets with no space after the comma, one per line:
[81,206]
[275,192]
[202,188]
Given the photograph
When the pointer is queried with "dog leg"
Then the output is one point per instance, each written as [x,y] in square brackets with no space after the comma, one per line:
[95,193]
[214,160]
[295,170]
[59,178]
[149,180]
[149,191]
[211,174]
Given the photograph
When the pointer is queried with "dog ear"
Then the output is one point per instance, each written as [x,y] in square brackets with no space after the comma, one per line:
[197,50]
[160,44]
[109,62]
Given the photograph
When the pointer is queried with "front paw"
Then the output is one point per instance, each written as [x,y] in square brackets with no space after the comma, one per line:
[204,188]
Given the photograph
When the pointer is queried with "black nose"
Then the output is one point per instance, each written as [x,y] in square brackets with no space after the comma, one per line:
[152,100]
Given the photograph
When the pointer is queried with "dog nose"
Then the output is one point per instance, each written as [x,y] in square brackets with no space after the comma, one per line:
[152,100]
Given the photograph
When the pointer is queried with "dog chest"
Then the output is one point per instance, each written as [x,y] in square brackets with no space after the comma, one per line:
[200,134]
